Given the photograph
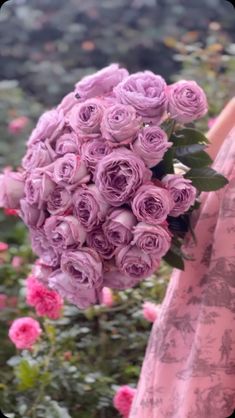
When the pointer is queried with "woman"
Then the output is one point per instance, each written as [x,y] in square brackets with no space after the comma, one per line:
[189,367]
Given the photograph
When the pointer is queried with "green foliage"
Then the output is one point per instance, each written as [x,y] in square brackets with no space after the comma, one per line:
[206,179]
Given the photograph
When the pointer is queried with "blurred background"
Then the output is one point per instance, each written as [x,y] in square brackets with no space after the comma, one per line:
[46,46]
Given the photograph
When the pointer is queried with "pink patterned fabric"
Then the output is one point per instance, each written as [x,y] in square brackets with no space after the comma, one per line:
[189,367]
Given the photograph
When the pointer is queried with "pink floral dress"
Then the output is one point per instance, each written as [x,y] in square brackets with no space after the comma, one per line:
[189,366]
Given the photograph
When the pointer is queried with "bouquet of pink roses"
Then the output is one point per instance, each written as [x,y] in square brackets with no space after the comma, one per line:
[98,188]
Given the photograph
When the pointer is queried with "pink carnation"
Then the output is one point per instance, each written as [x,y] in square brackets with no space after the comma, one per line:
[24,332]
[123,399]
[150,311]
[46,302]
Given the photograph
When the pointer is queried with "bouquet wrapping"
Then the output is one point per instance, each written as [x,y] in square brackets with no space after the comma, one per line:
[109,181]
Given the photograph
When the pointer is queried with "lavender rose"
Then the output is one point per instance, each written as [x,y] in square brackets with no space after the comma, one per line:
[101,82]
[151,145]
[85,118]
[152,204]
[89,206]
[187,101]
[49,125]
[93,151]
[67,287]
[59,201]
[146,92]
[118,227]
[135,263]
[96,239]
[41,271]
[67,143]
[152,239]
[67,103]
[11,189]
[38,155]
[64,231]
[32,216]
[38,187]
[43,249]
[120,124]
[69,170]
[115,279]
[84,267]
[119,174]
[182,191]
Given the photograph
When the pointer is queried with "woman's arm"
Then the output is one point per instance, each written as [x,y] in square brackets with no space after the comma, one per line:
[221,128]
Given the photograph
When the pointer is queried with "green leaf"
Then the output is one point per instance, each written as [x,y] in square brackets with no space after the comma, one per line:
[192,157]
[188,136]
[168,126]
[174,259]
[168,161]
[206,179]
[27,374]
[54,410]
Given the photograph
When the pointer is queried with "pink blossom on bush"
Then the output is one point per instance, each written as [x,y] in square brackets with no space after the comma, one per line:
[10,212]
[107,297]
[17,125]
[211,122]
[150,311]
[17,262]
[24,332]
[3,246]
[45,301]
[123,399]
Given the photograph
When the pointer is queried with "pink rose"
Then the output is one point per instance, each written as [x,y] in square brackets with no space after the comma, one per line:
[85,118]
[89,206]
[187,101]
[120,124]
[31,215]
[182,192]
[69,170]
[3,300]
[211,122]
[41,271]
[17,262]
[49,126]
[42,247]
[151,311]
[67,143]
[17,125]
[152,239]
[3,246]
[118,226]
[96,239]
[102,82]
[123,400]
[115,279]
[24,332]
[93,151]
[11,189]
[136,264]
[151,145]
[59,201]
[69,289]
[107,297]
[67,103]
[152,204]
[38,155]
[64,231]
[119,174]
[47,302]
[38,187]
[146,92]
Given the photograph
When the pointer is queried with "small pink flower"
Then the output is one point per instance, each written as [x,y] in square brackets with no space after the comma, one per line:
[123,399]
[107,297]
[3,299]
[3,246]
[17,262]
[150,311]
[11,212]
[17,125]
[24,332]
[46,302]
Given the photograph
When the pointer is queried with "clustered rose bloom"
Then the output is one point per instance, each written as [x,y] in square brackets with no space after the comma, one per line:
[98,218]
[150,311]
[24,332]
[123,399]
[45,301]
